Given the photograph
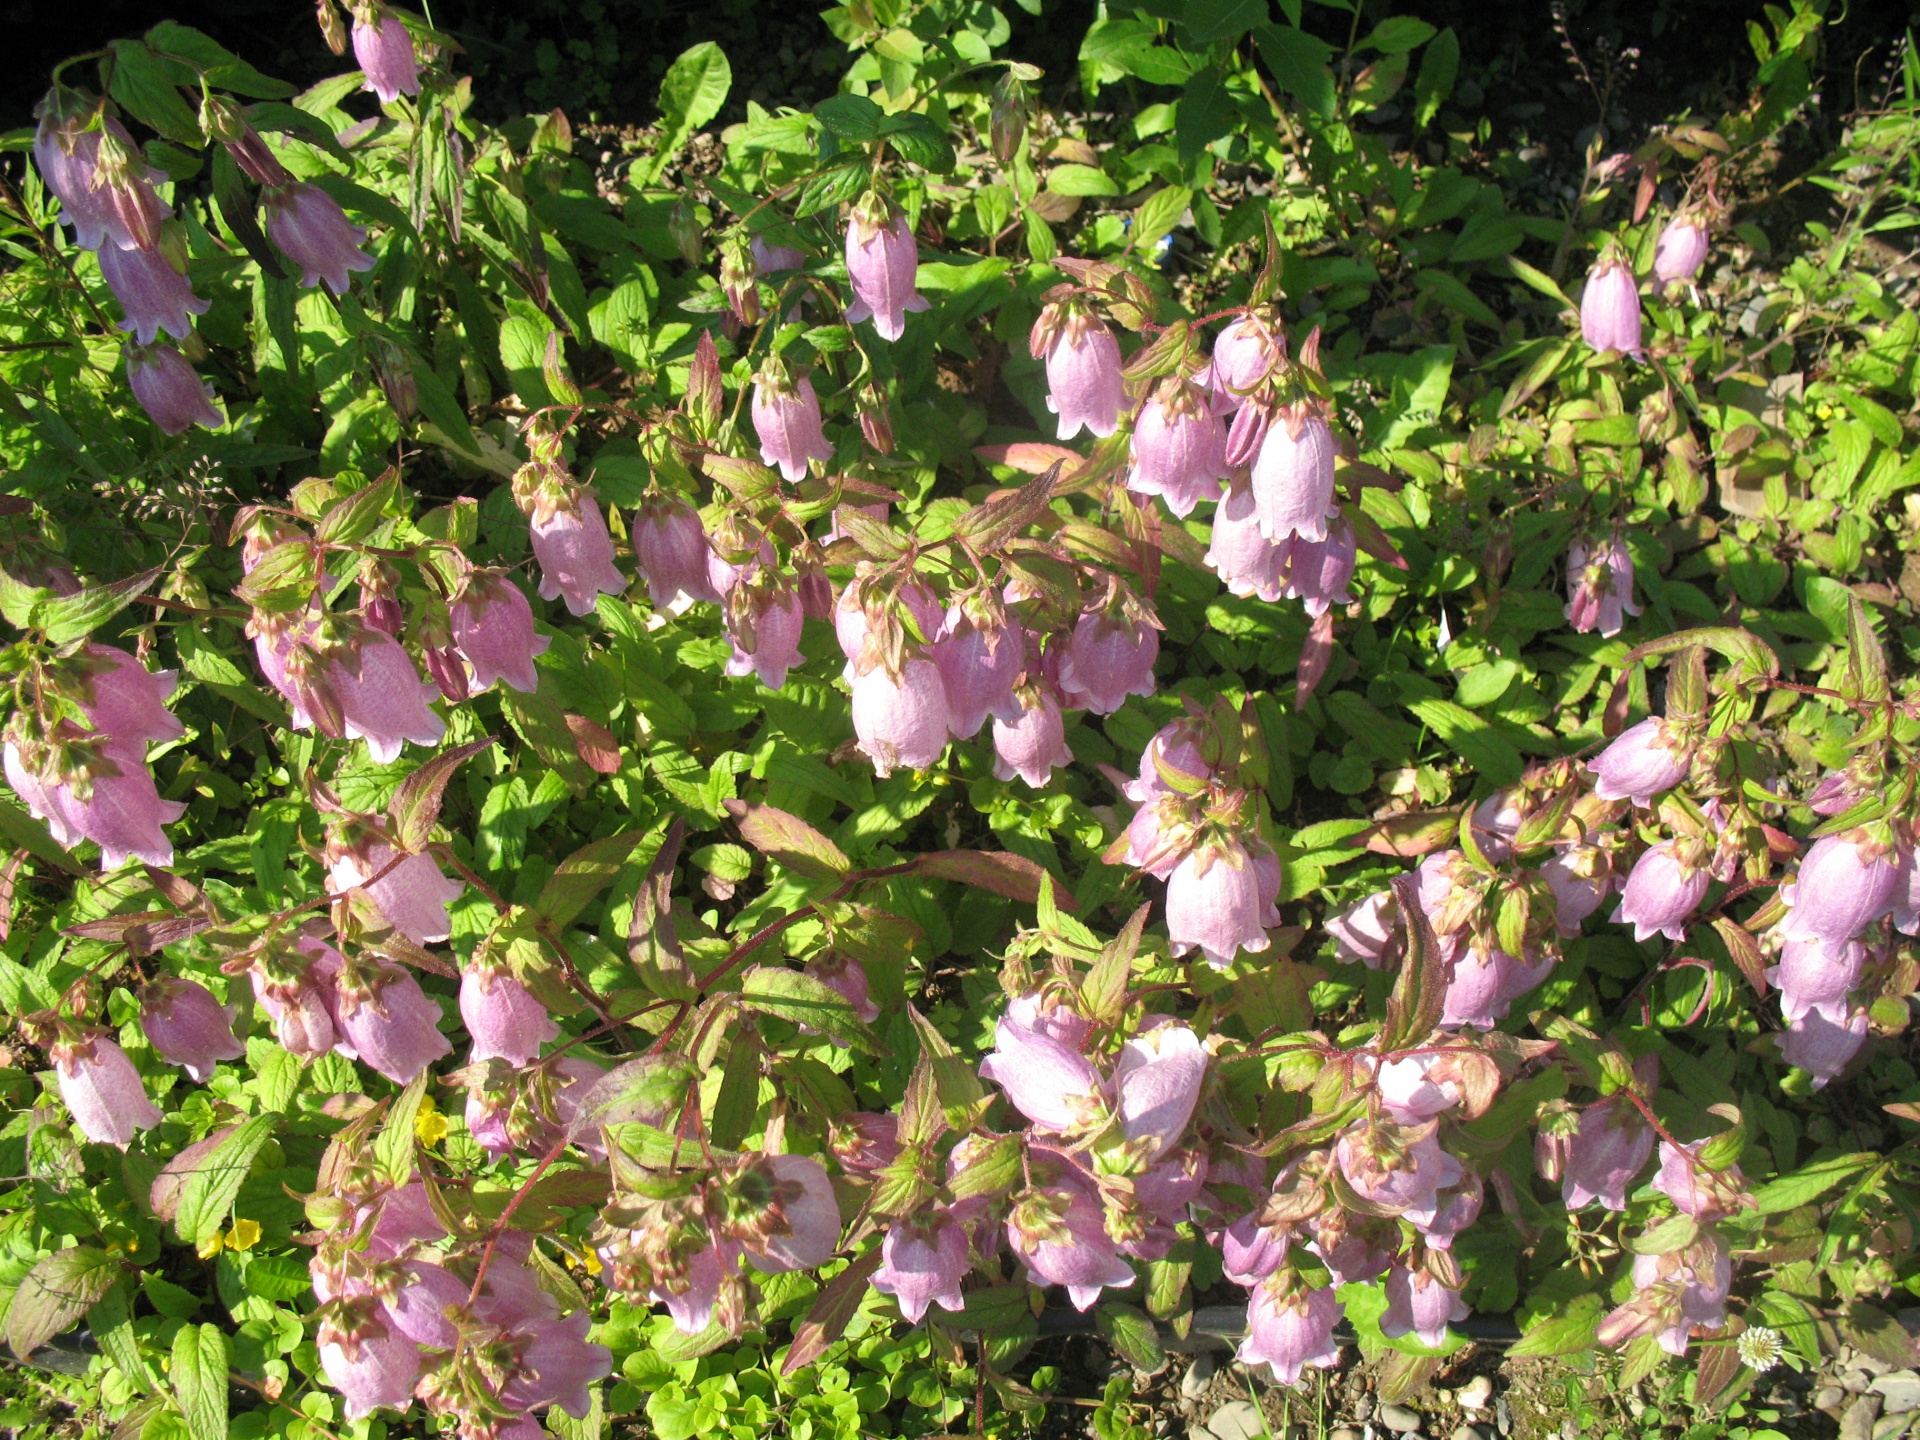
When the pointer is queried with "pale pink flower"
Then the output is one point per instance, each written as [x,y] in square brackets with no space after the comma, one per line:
[1247,562]
[671,547]
[773,645]
[1407,1093]
[123,814]
[372,1364]
[388,1022]
[1245,353]
[1809,977]
[1363,932]
[1845,883]
[1605,1155]
[1661,893]
[1106,660]
[847,978]
[310,229]
[188,1027]
[881,261]
[1157,1081]
[1173,751]
[1316,572]
[811,1215]
[120,208]
[503,1017]
[1219,901]
[923,1264]
[383,700]
[1485,982]
[493,629]
[1251,1251]
[979,666]
[385,52]
[154,295]
[1599,586]
[1610,309]
[1178,448]
[575,552]
[1823,1044]
[173,395]
[103,1091]
[1293,478]
[901,721]
[1419,1305]
[413,894]
[1643,762]
[1408,1183]
[1035,743]
[1292,1333]
[1680,252]
[1061,1238]
[128,701]
[1084,385]
[1676,1292]
[1045,1077]
[786,417]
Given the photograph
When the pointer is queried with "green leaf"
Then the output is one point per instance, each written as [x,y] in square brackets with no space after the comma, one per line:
[67,618]
[795,996]
[440,408]
[1158,215]
[1439,68]
[222,68]
[1205,21]
[393,1147]
[1131,1333]
[1477,742]
[583,875]
[149,86]
[1398,34]
[1564,1333]
[1299,62]
[653,946]
[210,1187]
[57,1291]
[199,1380]
[738,1101]
[998,871]
[357,514]
[1809,1183]
[833,1309]
[1081,180]
[851,119]
[692,93]
[789,840]
[832,186]
[415,807]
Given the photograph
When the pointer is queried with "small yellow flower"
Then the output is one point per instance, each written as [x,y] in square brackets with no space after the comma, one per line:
[429,1125]
[244,1235]
[592,1261]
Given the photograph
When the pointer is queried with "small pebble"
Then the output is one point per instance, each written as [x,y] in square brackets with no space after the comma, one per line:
[1857,1423]
[1503,1415]
[1237,1420]
[1899,1392]
[1344,1432]
[1363,1408]
[1872,1364]
[1854,1382]
[1476,1393]
[1399,1419]
[1829,1397]
[1570,1429]
[1194,1382]
[1888,1426]
[1466,1432]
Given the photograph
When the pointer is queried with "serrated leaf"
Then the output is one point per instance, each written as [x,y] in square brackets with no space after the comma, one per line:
[833,1308]
[57,1291]
[66,618]
[789,840]
[149,86]
[653,946]
[691,94]
[583,875]
[199,1380]
[357,515]
[1130,1332]
[415,807]
[393,1146]
[795,996]
[208,1190]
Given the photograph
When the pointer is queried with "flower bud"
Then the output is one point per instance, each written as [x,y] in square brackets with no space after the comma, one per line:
[1007,119]
[1610,309]
[882,259]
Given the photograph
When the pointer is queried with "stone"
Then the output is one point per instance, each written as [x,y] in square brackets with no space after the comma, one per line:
[1363,1408]
[1829,1398]
[1503,1416]
[1899,1392]
[1854,1382]
[1198,1376]
[1466,1432]
[1872,1364]
[1399,1419]
[1476,1394]
[1857,1423]
[1343,1432]
[1889,1426]
[1237,1420]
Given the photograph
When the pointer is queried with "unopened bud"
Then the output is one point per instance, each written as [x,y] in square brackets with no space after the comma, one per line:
[876,420]
[739,279]
[333,26]
[1008,119]
[684,226]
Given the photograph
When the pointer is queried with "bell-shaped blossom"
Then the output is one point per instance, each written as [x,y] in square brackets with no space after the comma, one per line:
[310,229]
[1363,932]
[1606,1155]
[692,1305]
[1809,976]
[1676,1292]
[1599,586]
[810,1214]
[1032,745]
[302,1003]
[373,1365]
[771,645]
[418,1306]
[1107,659]
[412,894]
[1610,309]
[1822,1044]
[168,389]
[901,720]
[1704,1194]
[1419,1305]
[1644,761]
[1063,1240]
[503,1017]
[1356,1252]
[1084,384]
[1221,899]
[865,1141]
[1409,1093]
[1837,793]
[1316,572]
[671,547]
[847,978]
[916,603]
[103,1091]
[922,1265]
[1247,562]
[1846,882]
[1179,448]
[493,630]
[1174,748]
[1679,252]
[126,700]
[1661,893]
[188,1027]
[1245,353]
[979,665]
[1292,1331]
[1159,838]
[1293,478]
[105,205]
[390,1023]
[575,552]
[382,697]
[1486,981]
[786,417]
[1458,1208]
[1579,878]
[154,295]
[772,259]
[1045,1077]
[1157,1080]
[882,259]
[385,52]
[1407,1179]
[123,813]
[556,1367]
[1251,1251]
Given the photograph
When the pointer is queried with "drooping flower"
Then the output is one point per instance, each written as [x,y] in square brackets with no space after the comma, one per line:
[1396,1172]
[1365,930]
[809,1217]
[1178,449]
[1292,1330]
[1316,572]
[1032,745]
[367,1359]
[1610,309]
[901,720]
[1824,1044]
[1846,882]
[881,262]
[1045,1077]
[385,52]
[1580,877]
[169,390]
[1220,901]
[1409,1093]
[106,190]
[1084,384]
[1486,981]
[923,1264]
[1599,586]
[1679,252]
[1245,353]
[1107,659]
[1171,759]
[502,1016]
[1239,552]
[387,1020]
[786,417]
[154,295]
[1676,1292]
[865,1141]
[310,229]
[1061,1238]
[671,547]
[1293,477]
[412,893]
[188,1027]
[1642,762]
[766,634]
[102,1090]
[1810,976]
[1605,1156]
[383,700]
[1704,1194]
[295,986]
[126,700]
[493,629]
[122,813]
[1661,893]
[1251,1251]
[847,978]
[1157,1081]
[1419,1305]
[575,552]
[979,665]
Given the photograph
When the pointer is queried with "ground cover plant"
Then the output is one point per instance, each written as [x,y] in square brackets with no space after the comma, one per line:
[707,794]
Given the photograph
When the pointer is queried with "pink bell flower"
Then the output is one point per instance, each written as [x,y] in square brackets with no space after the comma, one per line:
[1408,1182]
[1810,977]
[1458,1208]
[1824,1044]
[901,721]
[126,700]
[413,895]
[382,697]
[168,389]
[1351,1254]
[1106,660]
[503,1017]
[391,1024]
[385,52]
[786,417]
[303,1004]
[154,295]
[1605,1155]
[1157,1081]
[851,626]
[1158,837]
[493,630]
[310,229]
[1178,449]
[108,203]
[1035,743]
[103,1091]
[1705,1195]
[1316,572]
[881,262]
[865,1141]
[772,259]
[1289,1334]
[188,1027]
[771,646]
[1644,761]
[1043,1074]
[1485,983]
[1846,882]
[1661,893]
[1251,1251]
[922,1265]
[847,978]
[1679,252]
[1409,1094]
[1173,748]
[1419,1305]
[692,1306]
[979,666]
[1239,552]
[1599,586]
[556,1367]
[1293,478]
[575,552]
[372,1365]
[1245,353]
[1220,902]
[671,547]
[1061,1238]
[810,1213]
[418,1306]
[124,814]
[1363,932]
[1676,1292]
[1580,879]
[1084,384]
[1610,309]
